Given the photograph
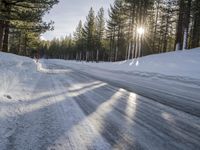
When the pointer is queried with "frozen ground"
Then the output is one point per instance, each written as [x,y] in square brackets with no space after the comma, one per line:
[63,105]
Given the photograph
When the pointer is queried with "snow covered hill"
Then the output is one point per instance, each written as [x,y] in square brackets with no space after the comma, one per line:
[150,103]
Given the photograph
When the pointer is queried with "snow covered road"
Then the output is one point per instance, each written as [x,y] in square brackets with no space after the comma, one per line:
[179,92]
[63,107]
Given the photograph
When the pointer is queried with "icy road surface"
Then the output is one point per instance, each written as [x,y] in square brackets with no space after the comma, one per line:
[68,108]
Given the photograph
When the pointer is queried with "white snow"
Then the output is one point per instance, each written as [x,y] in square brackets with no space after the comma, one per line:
[179,63]
[58,104]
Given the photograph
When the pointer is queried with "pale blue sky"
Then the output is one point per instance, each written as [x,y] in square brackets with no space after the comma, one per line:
[67,13]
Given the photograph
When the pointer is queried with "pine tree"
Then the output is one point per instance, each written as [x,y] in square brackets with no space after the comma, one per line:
[111,34]
[195,32]
[89,35]
[167,14]
[78,37]
[179,29]
[100,27]
[117,30]
[23,15]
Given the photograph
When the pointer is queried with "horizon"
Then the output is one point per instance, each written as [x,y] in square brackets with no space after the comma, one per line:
[64,25]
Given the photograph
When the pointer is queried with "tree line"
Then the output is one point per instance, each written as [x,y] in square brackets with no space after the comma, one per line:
[168,25]
[21,24]
[88,42]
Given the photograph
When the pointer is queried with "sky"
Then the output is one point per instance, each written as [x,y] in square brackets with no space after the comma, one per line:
[67,14]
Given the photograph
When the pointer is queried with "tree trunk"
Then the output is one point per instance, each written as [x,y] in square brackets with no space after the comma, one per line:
[6,28]
[136,47]
[186,24]
[156,24]
[1,34]
[87,56]
[97,56]
[80,56]
[116,53]
[19,44]
[6,37]
[133,50]
[25,45]
[179,30]
[165,39]
[185,39]
[129,51]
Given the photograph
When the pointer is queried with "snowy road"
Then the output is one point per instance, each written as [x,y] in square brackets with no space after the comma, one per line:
[68,108]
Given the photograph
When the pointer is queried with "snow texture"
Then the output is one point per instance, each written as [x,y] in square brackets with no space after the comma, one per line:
[149,103]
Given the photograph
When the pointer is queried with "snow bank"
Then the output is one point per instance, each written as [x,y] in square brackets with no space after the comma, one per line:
[12,71]
[180,63]
[41,67]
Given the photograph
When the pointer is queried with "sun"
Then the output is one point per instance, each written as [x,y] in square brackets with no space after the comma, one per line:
[140,30]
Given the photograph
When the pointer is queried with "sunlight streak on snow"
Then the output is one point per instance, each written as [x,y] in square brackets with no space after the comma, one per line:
[131,105]
[131,63]
[168,117]
[92,125]
[108,105]
[137,63]
[41,68]
[80,89]
[122,62]
[82,85]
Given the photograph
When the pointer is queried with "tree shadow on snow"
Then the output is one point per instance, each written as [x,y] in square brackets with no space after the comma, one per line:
[124,120]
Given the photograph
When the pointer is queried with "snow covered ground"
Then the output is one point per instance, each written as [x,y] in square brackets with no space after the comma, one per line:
[174,76]
[151,103]
[179,63]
